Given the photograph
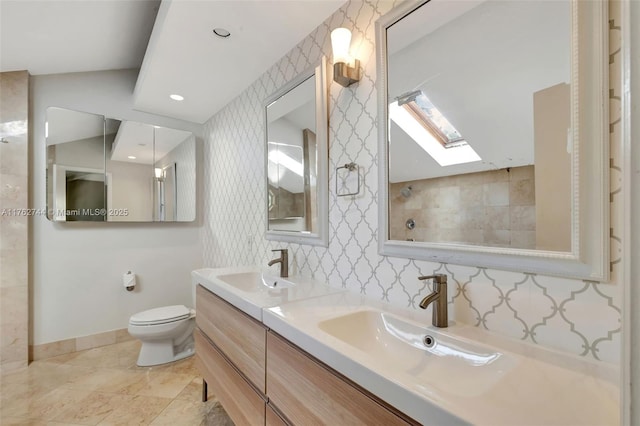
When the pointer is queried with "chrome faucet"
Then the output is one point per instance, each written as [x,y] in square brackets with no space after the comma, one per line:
[439,296]
[283,260]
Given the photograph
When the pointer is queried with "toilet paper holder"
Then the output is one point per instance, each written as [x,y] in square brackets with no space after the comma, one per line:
[129,281]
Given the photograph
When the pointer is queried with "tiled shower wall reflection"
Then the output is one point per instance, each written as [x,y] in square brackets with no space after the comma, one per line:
[578,317]
[14,291]
[493,208]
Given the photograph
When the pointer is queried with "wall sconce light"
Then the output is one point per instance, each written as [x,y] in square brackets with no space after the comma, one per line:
[159,173]
[344,73]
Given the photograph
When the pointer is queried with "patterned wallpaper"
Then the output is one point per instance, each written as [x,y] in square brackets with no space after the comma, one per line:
[578,317]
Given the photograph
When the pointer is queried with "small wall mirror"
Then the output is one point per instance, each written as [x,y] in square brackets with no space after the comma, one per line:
[296,160]
[493,134]
[106,170]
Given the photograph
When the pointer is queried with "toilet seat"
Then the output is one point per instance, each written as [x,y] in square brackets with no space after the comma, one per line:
[163,315]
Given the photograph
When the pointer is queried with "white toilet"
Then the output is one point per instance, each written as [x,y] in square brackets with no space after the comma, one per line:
[166,334]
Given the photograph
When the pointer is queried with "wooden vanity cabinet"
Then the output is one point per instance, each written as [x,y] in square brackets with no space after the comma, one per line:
[308,392]
[272,418]
[262,379]
[230,355]
[241,338]
[240,400]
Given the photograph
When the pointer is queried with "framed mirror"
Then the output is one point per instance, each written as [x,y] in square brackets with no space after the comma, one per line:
[296,163]
[105,170]
[493,135]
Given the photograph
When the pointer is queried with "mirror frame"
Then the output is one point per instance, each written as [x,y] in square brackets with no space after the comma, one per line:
[321,238]
[589,256]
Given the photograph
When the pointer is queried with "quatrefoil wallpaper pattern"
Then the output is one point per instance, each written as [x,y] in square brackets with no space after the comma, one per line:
[578,317]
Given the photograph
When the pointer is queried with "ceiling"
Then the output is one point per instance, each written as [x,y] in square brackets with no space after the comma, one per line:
[50,37]
[480,65]
[171,41]
[148,144]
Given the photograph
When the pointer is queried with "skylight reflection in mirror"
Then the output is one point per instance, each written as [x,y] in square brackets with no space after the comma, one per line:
[416,115]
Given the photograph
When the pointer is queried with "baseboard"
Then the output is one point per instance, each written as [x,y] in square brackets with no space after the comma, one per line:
[62,347]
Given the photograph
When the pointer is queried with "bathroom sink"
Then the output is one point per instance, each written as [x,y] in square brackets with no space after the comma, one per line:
[255,281]
[251,288]
[426,354]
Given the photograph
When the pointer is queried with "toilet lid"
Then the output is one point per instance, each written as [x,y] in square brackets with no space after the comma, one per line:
[161,315]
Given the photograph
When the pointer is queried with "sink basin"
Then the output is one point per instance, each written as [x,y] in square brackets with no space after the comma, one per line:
[251,288]
[427,355]
[255,281]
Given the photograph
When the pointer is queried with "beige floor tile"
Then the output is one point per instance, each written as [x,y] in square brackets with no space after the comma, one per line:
[14,390]
[96,357]
[160,384]
[19,421]
[138,410]
[102,379]
[104,385]
[92,409]
[120,382]
[193,391]
[166,368]
[216,416]
[46,407]
[182,412]
[16,401]
[186,366]
[119,355]
[40,372]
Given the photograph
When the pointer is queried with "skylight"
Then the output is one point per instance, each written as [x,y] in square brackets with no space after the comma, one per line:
[280,158]
[430,129]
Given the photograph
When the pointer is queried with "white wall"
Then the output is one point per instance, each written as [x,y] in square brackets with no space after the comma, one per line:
[77,268]
[131,189]
[551,121]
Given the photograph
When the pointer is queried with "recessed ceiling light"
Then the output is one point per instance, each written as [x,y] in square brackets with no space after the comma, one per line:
[177,97]
[221,32]
[131,157]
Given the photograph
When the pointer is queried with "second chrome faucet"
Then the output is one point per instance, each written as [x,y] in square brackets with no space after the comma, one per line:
[439,299]
[283,260]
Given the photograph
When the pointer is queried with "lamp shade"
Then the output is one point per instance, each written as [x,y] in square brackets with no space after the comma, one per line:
[340,43]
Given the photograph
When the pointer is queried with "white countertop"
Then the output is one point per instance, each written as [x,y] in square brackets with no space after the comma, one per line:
[529,385]
[252,302]
[470,377]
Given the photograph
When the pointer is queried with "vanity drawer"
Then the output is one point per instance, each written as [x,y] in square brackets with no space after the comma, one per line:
[243,404]
[273,418]
[241,338]
[308,392]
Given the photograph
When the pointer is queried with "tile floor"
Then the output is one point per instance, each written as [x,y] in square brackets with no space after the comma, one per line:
[103,386]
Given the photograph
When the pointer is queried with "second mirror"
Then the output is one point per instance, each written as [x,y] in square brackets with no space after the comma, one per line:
[296,160]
